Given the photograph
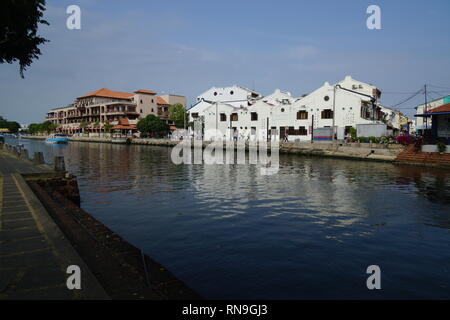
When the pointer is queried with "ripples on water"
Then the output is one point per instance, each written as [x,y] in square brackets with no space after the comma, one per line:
[308,232]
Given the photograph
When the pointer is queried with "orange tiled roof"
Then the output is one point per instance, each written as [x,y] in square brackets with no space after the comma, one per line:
[106,93]
[146,91]
[160,100]
[443,108]
[124,124]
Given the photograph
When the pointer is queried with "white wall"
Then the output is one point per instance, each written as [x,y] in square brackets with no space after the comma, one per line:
[347,111]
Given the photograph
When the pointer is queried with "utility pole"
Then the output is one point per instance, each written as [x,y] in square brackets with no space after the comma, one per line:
[426,107]
[334,107]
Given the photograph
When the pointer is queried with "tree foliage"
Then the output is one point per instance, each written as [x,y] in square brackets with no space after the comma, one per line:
[153,126]
[19,20]
[108,126]
[43,127]
[177,114]
[12,126]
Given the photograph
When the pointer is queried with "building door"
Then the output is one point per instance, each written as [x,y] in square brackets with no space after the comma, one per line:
[282,133]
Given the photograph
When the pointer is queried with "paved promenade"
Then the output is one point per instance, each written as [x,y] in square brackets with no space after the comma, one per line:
[34,254]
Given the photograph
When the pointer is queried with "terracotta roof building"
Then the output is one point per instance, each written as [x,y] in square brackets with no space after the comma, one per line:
[121,109]
[164,102]
[440,122]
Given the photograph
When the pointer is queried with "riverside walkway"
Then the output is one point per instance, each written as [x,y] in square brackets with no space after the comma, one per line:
[34,254]
[43,232]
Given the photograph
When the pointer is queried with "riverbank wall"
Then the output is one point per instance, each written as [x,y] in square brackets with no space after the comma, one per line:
[355,151]
[47,203]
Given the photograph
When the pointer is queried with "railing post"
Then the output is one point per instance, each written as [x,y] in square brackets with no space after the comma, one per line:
[38,158]
[59,164]
[24,154]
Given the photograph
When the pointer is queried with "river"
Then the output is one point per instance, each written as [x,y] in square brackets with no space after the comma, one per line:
[308,232]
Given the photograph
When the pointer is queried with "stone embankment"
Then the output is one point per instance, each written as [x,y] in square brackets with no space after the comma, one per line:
[359,151]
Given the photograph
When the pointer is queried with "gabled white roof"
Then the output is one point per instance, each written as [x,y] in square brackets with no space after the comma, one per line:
[200,106]
[278,95]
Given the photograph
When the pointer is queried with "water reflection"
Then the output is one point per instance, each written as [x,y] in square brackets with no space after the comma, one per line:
[307,232]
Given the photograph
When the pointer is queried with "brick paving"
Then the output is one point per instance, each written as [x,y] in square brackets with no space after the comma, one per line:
[30,265]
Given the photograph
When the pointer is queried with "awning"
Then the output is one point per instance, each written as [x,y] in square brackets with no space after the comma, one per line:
[121,127]
[426,115]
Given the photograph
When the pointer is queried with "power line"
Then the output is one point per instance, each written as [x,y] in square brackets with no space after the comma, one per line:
[441,87]
[389,92]
[408,99]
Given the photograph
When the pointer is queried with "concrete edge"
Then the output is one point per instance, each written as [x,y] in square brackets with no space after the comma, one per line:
[66,253]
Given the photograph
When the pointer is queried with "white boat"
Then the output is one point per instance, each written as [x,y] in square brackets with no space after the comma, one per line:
[57,138]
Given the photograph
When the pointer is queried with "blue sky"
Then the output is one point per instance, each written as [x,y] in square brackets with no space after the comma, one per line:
[186,47]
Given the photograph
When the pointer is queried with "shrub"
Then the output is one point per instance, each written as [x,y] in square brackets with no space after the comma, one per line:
[442,147]
[373,139]
[352,132]
[404,139]
[362,139]
[387,140]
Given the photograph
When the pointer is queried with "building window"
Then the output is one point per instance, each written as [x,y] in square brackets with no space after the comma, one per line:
[302,115]
[231,92]
[223,117]
[141,101]
[254,116]
[234,117]
[326,98]
[141,110]
[301,131]
[327,114]
[194,115]
[215,93]
[152,110]
[282,109]
[153,100]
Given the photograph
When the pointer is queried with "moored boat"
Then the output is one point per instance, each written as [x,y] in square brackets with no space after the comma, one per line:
[57,138]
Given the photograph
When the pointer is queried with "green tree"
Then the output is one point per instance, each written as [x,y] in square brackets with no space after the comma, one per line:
[33,128]
[19,20]
[96,125]
[177,114]
[47,127]
[108,127]
[153,126]
[83,125]
[12,126]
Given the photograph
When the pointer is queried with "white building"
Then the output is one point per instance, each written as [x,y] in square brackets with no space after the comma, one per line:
[392,118]
[236,96]
[423,123]
[296,119]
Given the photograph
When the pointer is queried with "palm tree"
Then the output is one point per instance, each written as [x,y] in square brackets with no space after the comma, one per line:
[96,125]
[83,126]
[108,126]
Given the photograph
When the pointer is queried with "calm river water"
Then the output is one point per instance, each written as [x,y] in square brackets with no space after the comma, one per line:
[308,232]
